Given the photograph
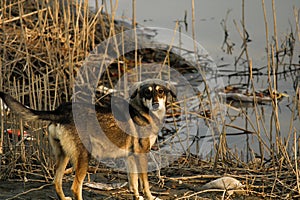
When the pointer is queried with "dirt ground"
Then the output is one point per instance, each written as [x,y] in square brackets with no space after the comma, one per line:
[172,188]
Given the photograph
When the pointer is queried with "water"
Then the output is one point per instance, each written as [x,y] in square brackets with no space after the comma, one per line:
[209,14]
[209,33]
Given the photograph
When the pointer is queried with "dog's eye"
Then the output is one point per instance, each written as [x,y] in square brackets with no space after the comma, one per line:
[147,92]
[160,91]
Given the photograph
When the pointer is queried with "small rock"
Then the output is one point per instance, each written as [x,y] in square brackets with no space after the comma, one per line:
[226,183]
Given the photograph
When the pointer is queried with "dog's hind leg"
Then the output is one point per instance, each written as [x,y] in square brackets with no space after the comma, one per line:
[61,163]
[81,164]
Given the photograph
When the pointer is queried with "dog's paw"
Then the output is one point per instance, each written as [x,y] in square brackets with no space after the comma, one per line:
[140,198]
[68,198]
[154,198]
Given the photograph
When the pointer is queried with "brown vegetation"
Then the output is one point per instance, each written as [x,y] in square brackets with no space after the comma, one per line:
[44,43]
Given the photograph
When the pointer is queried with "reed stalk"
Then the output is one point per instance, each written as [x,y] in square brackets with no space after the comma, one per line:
[42,48]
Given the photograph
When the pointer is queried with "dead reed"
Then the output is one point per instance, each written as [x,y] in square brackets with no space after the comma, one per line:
[43,45]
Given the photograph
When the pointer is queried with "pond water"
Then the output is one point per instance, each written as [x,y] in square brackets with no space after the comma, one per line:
[209,16]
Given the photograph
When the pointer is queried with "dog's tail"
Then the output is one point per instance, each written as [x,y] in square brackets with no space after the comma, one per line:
[28,113]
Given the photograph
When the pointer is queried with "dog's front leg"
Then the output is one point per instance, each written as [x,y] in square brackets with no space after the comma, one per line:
[133,177]
[143,176]
[138,172]
[142,164]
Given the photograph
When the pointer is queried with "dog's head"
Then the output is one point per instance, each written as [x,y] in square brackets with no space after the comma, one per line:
[152,94]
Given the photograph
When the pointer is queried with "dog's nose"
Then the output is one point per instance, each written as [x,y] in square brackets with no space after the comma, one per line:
[155,106]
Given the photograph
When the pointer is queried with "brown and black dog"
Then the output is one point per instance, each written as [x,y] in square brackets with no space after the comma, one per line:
[74,136]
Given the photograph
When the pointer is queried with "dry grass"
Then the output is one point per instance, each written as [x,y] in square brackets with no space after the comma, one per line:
[43,45]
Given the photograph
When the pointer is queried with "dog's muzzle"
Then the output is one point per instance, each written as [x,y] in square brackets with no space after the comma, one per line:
[155,106]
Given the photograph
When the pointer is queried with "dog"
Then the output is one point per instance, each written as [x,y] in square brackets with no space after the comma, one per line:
[124,135]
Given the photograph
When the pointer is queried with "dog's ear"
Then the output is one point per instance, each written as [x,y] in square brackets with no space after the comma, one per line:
[133,91]
[120,109]
[171,89]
